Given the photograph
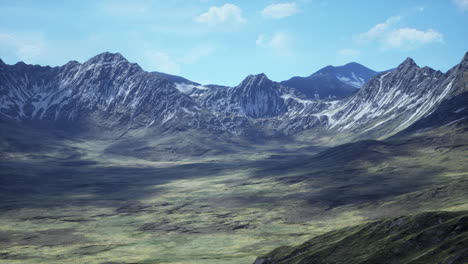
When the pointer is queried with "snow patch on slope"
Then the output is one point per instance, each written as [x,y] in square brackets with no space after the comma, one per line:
[188,88]
[352,80]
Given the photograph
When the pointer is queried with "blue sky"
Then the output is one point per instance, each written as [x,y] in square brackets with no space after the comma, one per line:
[213,41]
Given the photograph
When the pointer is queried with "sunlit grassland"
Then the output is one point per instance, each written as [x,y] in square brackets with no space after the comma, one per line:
[80,204]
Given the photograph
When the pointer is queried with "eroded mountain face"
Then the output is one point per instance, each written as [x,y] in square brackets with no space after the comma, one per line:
[109,92]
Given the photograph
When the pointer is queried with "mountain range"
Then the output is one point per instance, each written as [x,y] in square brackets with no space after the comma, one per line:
[107,92]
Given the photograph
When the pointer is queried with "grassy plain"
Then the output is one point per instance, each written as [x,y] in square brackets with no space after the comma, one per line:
[74,201]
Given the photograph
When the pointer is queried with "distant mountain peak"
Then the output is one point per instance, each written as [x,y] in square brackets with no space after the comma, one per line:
[464,61]
[348,67]
[107,57]
[20,63]
[72,63]
[257,76]
[256,80]
[465,58]
[353,64]
[409,62]
[332,82]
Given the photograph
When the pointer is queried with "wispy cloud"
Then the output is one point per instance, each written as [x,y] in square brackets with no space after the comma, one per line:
[410,38]
[160,61]
[389,36]
[279,42]
[26,48]
[277,11]
[227,14]
[462,4]
[378,30]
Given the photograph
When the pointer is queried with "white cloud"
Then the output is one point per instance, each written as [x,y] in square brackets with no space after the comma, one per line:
[410,37]
[462,4]
[25,48]
[160,61]
[279,42]
[377,30]
[277,11]
[226,14]
[349,54]
[389,36]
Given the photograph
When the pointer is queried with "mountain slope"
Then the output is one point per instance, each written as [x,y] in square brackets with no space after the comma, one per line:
[392,101]
[453,111]
[332,82]
[437,237]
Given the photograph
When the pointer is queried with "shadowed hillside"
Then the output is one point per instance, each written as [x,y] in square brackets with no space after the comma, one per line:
[436,237]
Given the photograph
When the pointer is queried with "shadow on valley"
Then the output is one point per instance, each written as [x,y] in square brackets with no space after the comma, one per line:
[345,175]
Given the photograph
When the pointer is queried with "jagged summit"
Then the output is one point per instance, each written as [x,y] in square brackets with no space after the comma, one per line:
[259,75]
[408,62]
[464,62]
[107,57]
[256,76]
[72,63]
[255,79]
[465,57]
